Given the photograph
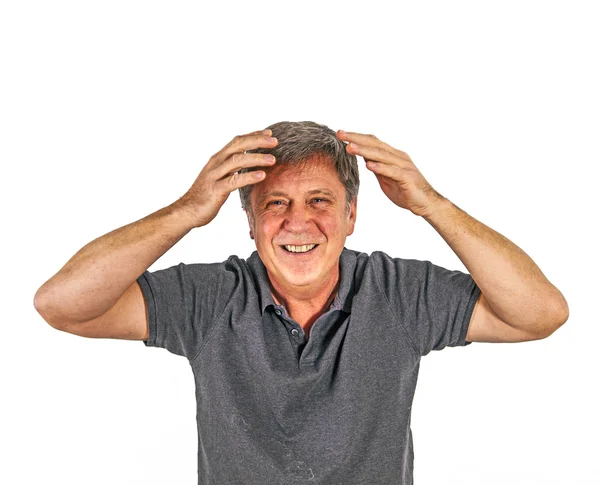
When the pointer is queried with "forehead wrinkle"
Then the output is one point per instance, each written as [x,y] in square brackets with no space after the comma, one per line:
[307,168]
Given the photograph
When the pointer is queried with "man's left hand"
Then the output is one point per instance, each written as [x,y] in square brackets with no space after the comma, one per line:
[396,173]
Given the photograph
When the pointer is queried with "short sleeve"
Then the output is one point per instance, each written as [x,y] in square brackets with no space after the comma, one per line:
[182,302]
[433,304]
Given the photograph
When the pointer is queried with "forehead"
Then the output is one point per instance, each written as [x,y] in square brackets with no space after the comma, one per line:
[302,177]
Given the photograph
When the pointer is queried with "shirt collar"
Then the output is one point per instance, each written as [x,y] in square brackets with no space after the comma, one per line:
[343,297]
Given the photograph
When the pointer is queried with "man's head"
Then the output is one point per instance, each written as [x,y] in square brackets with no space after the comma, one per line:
[308,197]
[299,141]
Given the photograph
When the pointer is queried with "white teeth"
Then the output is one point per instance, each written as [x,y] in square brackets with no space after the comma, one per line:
[299,249]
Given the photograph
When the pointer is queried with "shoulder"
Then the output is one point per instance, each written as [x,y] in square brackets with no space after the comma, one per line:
[394,274]
[380,267]
[384,262]
[232,263]
[207,276]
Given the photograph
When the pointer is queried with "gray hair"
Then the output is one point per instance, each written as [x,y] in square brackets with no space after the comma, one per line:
[299,141]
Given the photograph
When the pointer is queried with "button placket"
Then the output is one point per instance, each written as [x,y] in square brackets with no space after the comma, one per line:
[294,331]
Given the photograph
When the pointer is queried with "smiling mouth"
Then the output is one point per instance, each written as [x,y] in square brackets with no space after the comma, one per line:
[299,249]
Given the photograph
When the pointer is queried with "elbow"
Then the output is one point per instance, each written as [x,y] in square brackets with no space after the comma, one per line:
[560,315]
[39,301]
[563,310]
[42,304]
[563,317]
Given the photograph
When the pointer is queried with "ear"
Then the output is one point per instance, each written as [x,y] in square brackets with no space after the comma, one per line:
[352,216]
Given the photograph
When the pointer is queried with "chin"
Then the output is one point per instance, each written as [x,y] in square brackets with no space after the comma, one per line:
[299,269]
[303,279]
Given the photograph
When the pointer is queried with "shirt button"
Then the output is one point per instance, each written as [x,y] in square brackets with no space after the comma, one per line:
[278,311]
[294,332]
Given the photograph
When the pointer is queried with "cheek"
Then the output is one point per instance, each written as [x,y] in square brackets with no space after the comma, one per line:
[332,226]
[266,226]
[269,225]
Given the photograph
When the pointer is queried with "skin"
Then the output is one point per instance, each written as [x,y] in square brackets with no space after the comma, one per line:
[517,301]
[305,284]
[219,177]
[399,178]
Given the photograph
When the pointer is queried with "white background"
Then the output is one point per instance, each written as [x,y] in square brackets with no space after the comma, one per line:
[109,110]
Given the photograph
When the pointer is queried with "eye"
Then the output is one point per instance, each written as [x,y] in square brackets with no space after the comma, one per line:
[319,198]
[274,202]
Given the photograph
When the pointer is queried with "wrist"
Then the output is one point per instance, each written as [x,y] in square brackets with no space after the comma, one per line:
[182,212]
[438,206]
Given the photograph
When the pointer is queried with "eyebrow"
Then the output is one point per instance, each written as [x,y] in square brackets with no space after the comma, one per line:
[278,193]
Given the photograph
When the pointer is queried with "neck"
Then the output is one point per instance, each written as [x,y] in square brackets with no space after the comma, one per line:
[307,300]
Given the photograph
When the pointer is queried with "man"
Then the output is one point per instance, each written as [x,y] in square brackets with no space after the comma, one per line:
[305,355]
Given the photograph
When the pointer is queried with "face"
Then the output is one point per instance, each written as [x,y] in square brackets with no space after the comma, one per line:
[301,205]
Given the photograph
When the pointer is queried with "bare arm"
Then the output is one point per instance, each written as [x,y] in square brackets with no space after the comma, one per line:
[92,281]
[96,292]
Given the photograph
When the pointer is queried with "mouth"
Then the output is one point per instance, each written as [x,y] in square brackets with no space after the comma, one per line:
[299,250]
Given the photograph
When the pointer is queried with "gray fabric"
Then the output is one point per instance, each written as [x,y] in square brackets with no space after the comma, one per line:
[274,407]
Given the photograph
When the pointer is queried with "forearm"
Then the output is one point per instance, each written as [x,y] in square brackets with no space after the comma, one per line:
[92,281]
[514,285]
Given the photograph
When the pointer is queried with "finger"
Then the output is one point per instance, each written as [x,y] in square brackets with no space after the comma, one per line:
[357,137]
[237,180]
[391,171]
[241,143]
[237,161]
[378,155]
[369,140]
[266,131]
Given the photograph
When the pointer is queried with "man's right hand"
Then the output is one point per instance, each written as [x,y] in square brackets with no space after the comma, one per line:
[219,176]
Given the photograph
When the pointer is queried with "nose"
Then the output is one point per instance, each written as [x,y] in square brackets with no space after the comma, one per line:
[297,218]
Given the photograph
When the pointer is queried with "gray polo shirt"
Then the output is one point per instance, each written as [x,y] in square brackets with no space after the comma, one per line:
[274,407]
